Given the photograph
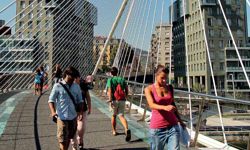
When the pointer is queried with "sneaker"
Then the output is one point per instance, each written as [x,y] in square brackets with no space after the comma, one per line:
[128,135]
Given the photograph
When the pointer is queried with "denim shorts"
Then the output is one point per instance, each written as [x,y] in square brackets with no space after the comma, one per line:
[165,136]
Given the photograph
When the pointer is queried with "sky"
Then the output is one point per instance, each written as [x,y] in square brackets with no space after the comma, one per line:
[107,11]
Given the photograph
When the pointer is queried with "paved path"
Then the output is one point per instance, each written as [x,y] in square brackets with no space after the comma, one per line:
[29,127]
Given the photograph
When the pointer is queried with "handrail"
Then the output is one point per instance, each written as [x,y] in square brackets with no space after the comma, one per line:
[213,97]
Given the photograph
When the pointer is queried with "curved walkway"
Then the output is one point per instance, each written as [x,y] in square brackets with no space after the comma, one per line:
[29,127]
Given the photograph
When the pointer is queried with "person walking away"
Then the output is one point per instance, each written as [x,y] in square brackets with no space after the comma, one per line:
[117,93]
[57,75]
[44,77]
[64,101]
[37,82]
[81,124]
[164,129]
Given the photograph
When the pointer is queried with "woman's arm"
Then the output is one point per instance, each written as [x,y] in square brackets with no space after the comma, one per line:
[153,105]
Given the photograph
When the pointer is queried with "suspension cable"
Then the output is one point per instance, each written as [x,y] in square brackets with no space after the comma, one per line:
[136,29]
[143,38]
[187,63]
[137,41]
[146,66]
[110,34]
[29,45]
[170,43]
[115,63]
[7,6]
[234,43]
[212,72]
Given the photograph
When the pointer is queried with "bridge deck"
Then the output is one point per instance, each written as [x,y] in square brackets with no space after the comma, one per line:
[29,126]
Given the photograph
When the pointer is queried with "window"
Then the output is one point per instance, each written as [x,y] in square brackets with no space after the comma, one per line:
[21,15]
[48,14]
[39,14]
[29,35]
[239,22]
[20,35]
[238,11]
[211,43]
[229,22]
[210,22]
[240,33]
[31,3]
[220,32]
[228,11]
[219,22]
[46,23]
[30,24]
[38,24]
[218,11]
[211,32]
[21,24]
[237,2]
[209,11]
[221,44]
[221,65]
[221,55]
[22,4]
[40,3]
[31,15]
[230,43]
[240,43]
[228,2]
[212,55]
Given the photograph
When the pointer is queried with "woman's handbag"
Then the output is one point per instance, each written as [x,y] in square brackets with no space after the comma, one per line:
[184,135]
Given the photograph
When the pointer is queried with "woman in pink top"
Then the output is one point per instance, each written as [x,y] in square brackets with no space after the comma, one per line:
[164,121]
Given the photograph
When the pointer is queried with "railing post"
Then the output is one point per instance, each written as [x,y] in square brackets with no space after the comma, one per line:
[197,128]
[248,142]
[144,113]
[132,98]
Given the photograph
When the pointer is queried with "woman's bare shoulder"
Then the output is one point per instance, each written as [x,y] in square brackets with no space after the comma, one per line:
[149,87]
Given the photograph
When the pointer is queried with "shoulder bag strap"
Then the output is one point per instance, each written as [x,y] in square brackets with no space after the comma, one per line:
[69,93]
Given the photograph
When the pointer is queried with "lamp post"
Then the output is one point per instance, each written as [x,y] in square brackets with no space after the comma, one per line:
[233,83]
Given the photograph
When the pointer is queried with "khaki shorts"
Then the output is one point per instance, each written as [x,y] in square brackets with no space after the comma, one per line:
[66,129]
[119,107]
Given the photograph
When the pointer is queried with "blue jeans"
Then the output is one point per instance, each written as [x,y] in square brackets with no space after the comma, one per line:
[162,136]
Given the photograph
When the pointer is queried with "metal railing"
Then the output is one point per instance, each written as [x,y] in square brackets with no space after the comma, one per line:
[206,123]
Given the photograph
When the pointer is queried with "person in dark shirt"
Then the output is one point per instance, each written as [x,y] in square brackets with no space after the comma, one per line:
[57,75]
[86,110]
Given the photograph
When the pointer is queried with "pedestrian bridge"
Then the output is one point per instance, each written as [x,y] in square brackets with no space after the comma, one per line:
[50,32]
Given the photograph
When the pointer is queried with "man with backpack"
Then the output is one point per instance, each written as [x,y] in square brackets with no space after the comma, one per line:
[117,93]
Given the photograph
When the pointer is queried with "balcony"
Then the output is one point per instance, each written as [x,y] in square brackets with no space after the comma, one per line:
[236,69]
[208,2]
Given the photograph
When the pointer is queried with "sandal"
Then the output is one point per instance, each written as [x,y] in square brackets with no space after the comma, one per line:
[114,133]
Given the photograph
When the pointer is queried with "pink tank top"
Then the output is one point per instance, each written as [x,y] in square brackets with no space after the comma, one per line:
[162,118]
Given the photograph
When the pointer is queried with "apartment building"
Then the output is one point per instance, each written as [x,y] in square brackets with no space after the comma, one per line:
[217,36]
[98,45]
[235,80]
[160,45]
[65,29]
